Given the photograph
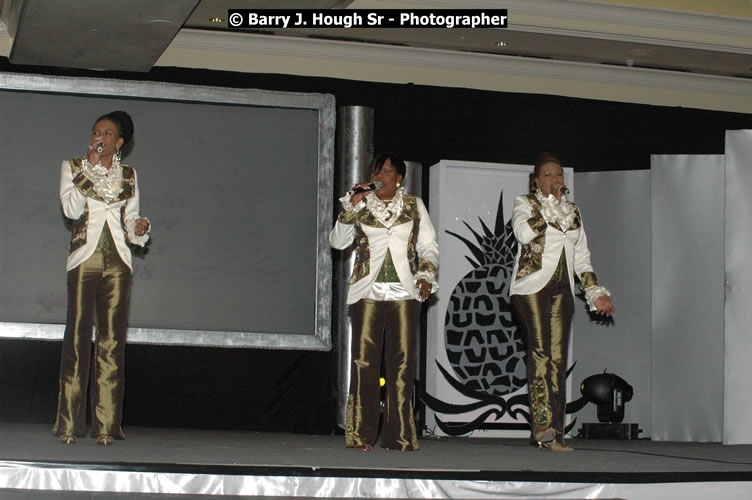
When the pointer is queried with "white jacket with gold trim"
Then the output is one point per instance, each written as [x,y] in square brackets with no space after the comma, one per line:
[90,213]
[411,240]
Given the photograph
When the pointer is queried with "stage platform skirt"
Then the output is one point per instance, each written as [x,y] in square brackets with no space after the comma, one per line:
[160,463]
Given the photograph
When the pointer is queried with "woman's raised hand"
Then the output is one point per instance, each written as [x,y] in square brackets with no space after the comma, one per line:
[355,198]
[94,155]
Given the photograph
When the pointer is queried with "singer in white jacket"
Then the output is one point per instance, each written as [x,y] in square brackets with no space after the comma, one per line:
[396,262]
[552,249]
[101,196]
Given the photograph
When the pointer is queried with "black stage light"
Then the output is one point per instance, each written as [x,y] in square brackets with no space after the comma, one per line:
[610,393]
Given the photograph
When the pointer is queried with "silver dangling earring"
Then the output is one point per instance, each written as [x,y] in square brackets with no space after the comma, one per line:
[118,155]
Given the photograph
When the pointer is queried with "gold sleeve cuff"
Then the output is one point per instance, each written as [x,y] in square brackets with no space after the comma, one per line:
[349,213]
[587,280]
[426,266]
[347,217]
[427,271]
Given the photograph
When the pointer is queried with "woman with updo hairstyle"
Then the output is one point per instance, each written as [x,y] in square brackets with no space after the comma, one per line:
[101,197]
[552,249]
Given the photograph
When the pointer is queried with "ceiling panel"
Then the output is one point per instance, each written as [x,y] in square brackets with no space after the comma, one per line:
[528,42]
[117,35]
[94,34]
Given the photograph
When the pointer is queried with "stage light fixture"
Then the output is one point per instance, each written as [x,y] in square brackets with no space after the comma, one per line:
[610,393]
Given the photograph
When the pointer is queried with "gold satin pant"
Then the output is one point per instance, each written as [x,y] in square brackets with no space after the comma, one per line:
[99,287]
[391,327]
[545,318]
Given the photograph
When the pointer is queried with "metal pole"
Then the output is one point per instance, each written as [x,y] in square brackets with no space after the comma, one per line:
[354,151]
[413,184]
[413,181]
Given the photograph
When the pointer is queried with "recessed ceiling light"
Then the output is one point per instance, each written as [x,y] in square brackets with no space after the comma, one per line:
[501,44]
[216,19]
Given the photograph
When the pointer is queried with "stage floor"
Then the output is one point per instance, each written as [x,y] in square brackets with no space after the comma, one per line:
[27,448]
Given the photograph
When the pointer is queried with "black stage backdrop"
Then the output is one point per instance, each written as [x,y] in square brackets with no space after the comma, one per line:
[253,389]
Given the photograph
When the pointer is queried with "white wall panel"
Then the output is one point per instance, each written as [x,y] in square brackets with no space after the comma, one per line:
[688,297]
[738,312]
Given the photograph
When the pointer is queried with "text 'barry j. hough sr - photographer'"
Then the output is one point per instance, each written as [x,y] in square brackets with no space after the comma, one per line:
[361,18]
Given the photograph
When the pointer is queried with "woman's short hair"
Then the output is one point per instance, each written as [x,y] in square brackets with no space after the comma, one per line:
[378,163]
[543,158]
[124,124]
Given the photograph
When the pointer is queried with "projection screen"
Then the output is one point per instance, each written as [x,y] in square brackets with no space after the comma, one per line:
[237,185]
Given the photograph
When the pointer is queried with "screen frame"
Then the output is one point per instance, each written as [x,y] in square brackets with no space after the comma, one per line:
[323,104]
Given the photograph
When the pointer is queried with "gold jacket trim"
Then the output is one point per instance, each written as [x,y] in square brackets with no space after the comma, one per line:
[362,265]
[531,254]
[86,187]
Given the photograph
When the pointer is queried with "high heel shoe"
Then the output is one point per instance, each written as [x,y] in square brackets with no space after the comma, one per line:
[104,440]
[544,437]
[68,439]
[557,444]
[363,447]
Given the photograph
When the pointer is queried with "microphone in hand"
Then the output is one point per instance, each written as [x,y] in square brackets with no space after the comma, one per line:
[371,187]
[100,147]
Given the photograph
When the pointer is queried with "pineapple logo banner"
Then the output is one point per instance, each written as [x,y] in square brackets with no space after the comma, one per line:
[476,359]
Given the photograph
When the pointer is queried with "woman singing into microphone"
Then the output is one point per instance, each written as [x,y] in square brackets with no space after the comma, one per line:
[552,248]
[101,196]
[396,261]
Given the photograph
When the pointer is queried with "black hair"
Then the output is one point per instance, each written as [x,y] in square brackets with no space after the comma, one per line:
[378,163]
[124,124]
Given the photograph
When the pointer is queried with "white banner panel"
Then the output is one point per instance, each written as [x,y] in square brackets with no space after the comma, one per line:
[688,297]
[738,313]
[476,376]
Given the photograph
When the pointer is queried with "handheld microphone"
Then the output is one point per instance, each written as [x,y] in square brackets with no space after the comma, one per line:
[100,147]
[565,190]
[371,187]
